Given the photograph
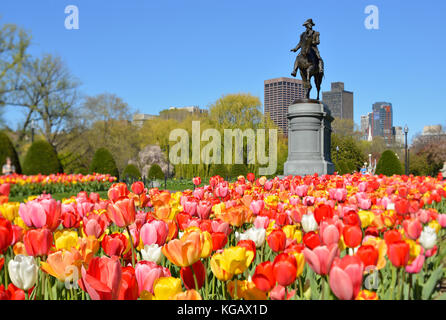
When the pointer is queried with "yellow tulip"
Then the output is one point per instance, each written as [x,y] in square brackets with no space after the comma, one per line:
[232,261]
[166,288]
[188,295]
[435,225]
[366,218]
[292,232]
[246,290]
[10,210]
[66,239]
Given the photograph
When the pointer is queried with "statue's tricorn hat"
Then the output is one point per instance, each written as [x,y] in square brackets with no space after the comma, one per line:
[309,21]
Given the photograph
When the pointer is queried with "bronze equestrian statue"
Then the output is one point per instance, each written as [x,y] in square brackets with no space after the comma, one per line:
[309,61]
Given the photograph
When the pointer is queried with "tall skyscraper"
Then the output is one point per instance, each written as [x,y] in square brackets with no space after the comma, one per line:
[339,101]
[280,93]
[383,120]
[366,125]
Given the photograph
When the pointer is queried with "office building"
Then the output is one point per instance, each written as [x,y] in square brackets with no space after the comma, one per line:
[339,101]
[383,121]
[279,94]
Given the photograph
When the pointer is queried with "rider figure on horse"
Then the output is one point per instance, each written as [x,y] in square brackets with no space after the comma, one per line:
[308,35]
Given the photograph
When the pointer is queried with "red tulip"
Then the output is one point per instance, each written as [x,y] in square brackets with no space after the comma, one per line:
[402,206]
[412,228]
[346,277]
[368,255]
[248,245]
[122,212]
[115,244]
[219,240]
[129,285]
[12,293]
[352,236]
[285,269]
[392,236]
[69,216]
[251,177]
[311,240]
[352,219]
[188,277]
[399,253]
[118,191]
[323,212]
[6,234]
[196,181]
[277,240]
[38,241]
[102,280]
[137,187]
[263,277]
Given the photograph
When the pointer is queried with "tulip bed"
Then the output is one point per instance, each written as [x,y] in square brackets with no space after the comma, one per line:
[21,185]
[316,237]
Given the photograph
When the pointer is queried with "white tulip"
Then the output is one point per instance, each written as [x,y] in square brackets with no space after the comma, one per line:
[390,206]
[428,238]
[23,271]
[254,234]
[309,223]
[152,253]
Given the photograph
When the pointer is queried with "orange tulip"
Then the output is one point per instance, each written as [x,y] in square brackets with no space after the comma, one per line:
[61,264]
[236,216]
[87,248]
[185,251]
[122,212]
[187,295]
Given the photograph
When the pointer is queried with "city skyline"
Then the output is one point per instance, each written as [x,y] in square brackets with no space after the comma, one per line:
[157,54]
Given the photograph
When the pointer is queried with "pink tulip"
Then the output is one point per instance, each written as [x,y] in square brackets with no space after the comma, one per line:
[423,216]
[95,225]
[198,193]
[416,265]
[221,191]
[256,206]
[220,226]
[147,272]
[302,190]
[441,219]
[338,194]
[412,228]
[362,187]
[204,209]
[278,293]
[41,212]
[321,258]
[84,208]
[364,204]
[155,231]
[346,277]
[190,207]
[261,222]
[268,185]
[294,201]
[329,233]
[308,201]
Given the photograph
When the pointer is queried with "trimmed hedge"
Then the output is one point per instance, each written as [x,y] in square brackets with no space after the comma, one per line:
[41,158]
[131,171]
[155,172]
[219,170]
[7,150]
[103,162]
[389,164]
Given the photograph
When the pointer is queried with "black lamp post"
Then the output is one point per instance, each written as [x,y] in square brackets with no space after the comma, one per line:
[406,160]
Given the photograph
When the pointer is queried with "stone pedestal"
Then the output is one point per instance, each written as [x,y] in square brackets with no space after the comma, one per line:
[309,139]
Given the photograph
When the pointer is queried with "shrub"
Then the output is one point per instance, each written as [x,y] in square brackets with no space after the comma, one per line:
[103,162]
[7,150]
[389,164]
[238,170]
[219,170]
[131,171]
[41,158]
[155,172]
[341,167]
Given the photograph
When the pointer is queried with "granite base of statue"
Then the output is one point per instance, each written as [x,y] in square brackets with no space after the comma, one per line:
[309,139]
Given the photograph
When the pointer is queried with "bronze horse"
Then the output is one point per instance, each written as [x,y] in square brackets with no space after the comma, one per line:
[308,62]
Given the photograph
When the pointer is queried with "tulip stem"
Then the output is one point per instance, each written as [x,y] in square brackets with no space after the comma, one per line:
[26,294]
[235,289]
[223,290]
[195,278]
[131,246]
[301,291]
[402,284]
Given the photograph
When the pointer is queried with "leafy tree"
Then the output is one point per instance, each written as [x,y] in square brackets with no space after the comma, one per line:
[49,95]
[103,162]
[7,150]
[389,164]
[131,171]
[155,172]
[41,158]
[349,151]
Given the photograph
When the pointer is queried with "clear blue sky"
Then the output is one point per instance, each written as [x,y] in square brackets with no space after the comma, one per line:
[161,53]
